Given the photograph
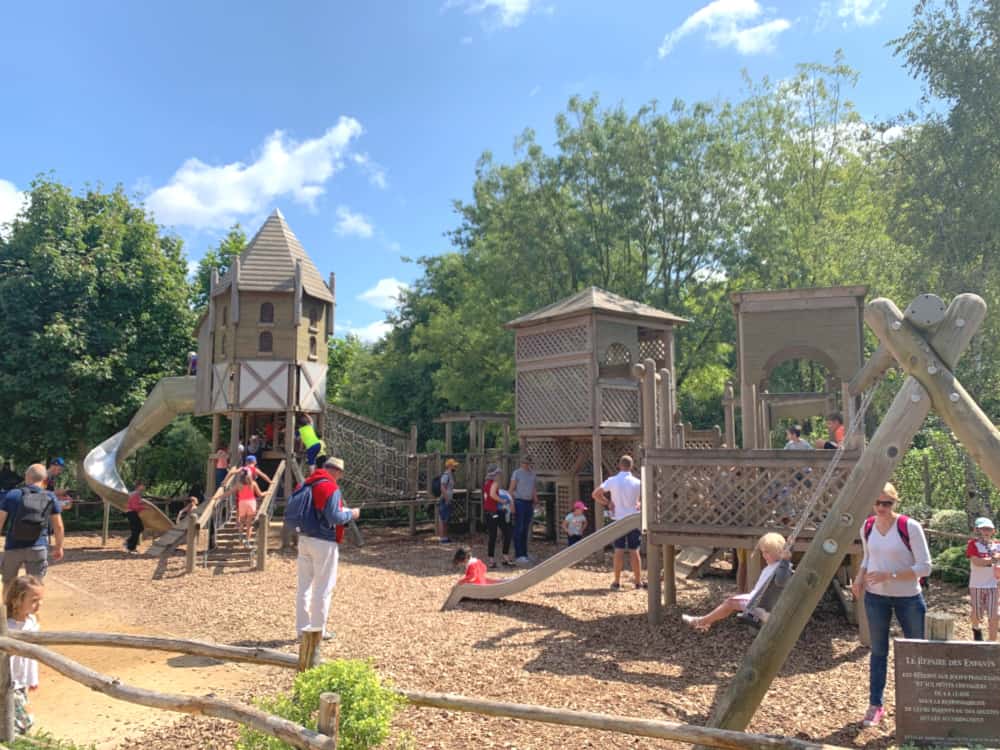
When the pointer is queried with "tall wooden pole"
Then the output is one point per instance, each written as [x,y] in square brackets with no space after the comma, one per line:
[6,684]
[838,531]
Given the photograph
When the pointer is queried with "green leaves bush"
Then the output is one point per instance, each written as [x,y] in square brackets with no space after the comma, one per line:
[367,705]
[951,522]
[952,566]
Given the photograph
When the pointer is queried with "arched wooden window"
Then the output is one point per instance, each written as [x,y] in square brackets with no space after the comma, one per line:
[265,342]
[266,313]
[313,316]
[225,315]
[312,346]
[617,354]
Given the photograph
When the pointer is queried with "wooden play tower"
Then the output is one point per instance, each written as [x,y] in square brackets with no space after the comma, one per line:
[262,344]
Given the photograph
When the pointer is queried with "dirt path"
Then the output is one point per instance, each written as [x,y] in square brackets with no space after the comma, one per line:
[70,711]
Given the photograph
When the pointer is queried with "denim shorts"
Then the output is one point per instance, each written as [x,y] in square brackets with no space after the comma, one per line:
[444,510]
[630,541]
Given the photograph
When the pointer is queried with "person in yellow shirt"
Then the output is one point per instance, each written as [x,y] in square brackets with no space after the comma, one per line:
[310,440]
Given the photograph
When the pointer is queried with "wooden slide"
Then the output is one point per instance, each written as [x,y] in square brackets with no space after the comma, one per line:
[170,397]
[568,557]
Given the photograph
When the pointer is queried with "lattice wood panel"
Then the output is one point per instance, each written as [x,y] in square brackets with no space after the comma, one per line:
[620,405]
[612,450]
[553,396]
[702,440]
[564,504]
[553,343]
[652,348]
[553,456]
[738,495]
[375,458]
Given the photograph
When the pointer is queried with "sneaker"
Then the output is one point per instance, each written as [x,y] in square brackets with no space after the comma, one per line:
[507,562]
[642,585]
[689,620]
[522,561]
[615,586]
[874,716]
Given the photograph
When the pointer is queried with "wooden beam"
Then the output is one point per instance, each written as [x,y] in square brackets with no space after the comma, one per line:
[838,531]
[669,555]
[273,726]
[666,730]
[6,683]
[250,655]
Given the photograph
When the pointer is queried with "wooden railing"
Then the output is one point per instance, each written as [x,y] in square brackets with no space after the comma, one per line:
[262,521]
[196,522]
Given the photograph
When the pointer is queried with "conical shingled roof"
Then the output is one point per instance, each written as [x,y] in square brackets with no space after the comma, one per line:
[267,263]
[600,300]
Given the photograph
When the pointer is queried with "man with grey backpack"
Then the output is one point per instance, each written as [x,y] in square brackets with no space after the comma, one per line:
[33,512]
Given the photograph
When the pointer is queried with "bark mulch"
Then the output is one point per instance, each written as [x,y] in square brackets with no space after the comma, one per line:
[569,642]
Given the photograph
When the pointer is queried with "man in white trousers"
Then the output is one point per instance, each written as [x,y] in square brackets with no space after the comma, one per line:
[318,551]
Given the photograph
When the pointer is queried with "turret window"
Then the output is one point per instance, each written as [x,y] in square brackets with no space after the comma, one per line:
[265,342]
[312,347]
[267,313]
[313,317]
[223,348]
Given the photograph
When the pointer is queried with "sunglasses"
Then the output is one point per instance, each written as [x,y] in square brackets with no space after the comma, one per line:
[885,503]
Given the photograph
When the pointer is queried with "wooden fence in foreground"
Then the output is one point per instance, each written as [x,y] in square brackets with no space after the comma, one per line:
[33,645]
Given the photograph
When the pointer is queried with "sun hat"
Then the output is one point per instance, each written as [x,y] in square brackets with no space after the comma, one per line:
[334,463]
[451,463]
[579,506]
[984,523]
[492,472]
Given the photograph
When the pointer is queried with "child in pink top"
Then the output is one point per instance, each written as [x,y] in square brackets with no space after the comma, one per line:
[475,569]
[247,493]
[135,506]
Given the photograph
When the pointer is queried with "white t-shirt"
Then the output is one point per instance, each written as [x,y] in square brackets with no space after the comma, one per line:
[981,577]
[23,671]
[576,524]
[888,554]
[624,491]
[765,575]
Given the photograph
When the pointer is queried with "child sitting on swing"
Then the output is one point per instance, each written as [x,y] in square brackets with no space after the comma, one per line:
[771,548]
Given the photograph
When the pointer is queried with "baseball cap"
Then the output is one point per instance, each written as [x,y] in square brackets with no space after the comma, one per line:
[579,506]
[251,459]
[58,461]
[984,523]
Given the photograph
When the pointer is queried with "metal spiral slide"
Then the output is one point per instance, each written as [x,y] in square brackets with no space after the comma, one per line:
[560,561]
[169,398]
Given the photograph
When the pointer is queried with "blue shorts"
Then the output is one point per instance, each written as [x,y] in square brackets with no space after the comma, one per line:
[444,510]
[630,541]
[312,453]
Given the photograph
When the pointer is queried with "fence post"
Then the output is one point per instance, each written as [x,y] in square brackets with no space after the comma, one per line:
[329,716]
[106,524]
[309,648]
[191,553]
[6,686]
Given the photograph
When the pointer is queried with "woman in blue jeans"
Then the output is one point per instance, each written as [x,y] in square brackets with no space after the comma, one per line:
[896,558]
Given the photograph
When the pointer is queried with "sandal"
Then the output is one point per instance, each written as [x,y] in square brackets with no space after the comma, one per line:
[615,586]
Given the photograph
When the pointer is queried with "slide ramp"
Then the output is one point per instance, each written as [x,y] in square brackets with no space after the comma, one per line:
[563,559]
[169,398]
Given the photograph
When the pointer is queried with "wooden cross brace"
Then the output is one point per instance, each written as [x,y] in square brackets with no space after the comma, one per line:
[943,346]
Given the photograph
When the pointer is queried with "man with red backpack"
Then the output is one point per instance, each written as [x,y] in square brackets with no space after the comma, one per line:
[320,526]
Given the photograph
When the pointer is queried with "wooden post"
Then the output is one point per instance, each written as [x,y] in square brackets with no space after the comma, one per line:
[754,566]
[666,409]
[289,480]
[263,532]
[742,581]
[654,592]
[864,635]
[669,575]
[597,460]
[447,437]
[106,524]
[729,411]
[191,551]
[6,685]
[413,478]
[748,410]
[939,626]
[309,645]
[328,722]
[838,531]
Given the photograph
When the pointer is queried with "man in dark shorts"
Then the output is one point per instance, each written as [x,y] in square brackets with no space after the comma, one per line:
[620,493]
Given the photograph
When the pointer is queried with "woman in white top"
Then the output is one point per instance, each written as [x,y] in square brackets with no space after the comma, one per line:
[896,558]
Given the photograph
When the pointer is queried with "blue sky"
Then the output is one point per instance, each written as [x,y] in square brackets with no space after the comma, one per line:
[363,121]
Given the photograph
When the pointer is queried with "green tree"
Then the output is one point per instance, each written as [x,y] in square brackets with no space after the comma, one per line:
[95,311]
[218,258]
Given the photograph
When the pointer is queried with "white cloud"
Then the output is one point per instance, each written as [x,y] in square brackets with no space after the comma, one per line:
[352,224]
[385,294]
[192,268]
[860,12]
[508,13]
[369,333]
[214,196]
[535,91]
[374,170]
[725,23]
[11,201]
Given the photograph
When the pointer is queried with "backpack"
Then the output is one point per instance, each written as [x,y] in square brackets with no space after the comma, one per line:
[301,515]
[436,487]
[31,519]
[904,534]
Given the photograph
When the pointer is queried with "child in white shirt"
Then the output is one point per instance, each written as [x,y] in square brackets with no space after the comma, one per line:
[24,597]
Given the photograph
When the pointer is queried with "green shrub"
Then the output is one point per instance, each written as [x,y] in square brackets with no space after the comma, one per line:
[952,565]
[950,521]
[41,740]
[367,705]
